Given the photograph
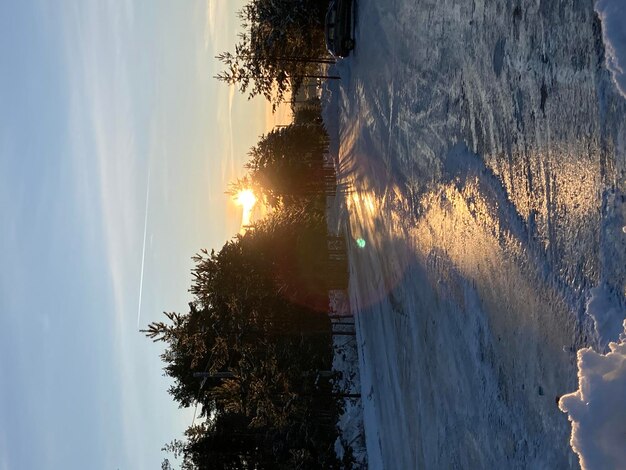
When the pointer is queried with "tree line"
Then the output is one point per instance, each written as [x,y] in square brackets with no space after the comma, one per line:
[281,45]
[253,352]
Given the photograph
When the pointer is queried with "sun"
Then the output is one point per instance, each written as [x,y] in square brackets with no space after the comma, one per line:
[246,199]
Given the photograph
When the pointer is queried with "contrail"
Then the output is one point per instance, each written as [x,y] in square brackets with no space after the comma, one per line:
[143,254]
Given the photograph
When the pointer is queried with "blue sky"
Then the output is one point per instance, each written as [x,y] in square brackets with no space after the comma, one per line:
[98,98]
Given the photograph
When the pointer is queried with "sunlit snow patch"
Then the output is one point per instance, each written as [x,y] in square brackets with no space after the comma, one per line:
[597,409]
[612,13]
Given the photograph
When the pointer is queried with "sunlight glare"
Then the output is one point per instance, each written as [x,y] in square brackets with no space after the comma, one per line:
[246,199]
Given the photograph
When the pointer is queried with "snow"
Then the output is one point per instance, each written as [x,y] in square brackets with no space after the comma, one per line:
[345,361]
[482,158]
[597,408]
[612,13]
[605,309]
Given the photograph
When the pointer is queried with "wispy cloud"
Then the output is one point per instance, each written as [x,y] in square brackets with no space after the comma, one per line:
[228,161]
[103,139]
[209,31]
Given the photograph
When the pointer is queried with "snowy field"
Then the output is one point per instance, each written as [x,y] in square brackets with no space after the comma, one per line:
[482,156]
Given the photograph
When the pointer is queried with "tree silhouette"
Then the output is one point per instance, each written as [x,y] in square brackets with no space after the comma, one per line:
[254,350]
[282,44]
[254,335]
[286,166]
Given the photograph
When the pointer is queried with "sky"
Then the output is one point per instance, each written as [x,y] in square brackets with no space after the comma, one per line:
[114,136]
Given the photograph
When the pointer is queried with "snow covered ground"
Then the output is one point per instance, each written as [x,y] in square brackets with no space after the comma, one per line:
[482,157]
[597,408]
[613,16]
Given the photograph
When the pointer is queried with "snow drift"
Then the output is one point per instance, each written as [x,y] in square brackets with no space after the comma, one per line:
[597,409]
[612,13]
[605,309]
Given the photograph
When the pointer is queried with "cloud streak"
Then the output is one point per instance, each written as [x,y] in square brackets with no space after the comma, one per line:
[103,139]
[209,36]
